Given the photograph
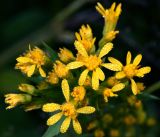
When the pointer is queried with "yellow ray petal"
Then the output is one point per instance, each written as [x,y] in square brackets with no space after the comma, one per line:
[100,9]
[77,127]
[113,6]
[42,73]
[24,59]
[118,87]
[134,87]
[118,9]
[78,36]
[86,110]
[31,70]
[95,81]
[105,50]
[50,107]
[65,89]
[65,125]
[113,67]
[128,58]
[137,60]
[142,71]
[120,75]
[115,61]
[75,65]
[80,48]
[100,74]
[54,119]
[83,77]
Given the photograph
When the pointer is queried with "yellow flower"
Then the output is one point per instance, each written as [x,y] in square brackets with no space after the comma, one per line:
[60,69]
[92,63]
[110,92]
[110,15]
[65,55]
[52,78]
[78,93]
[131,70]
[111,35]
[67,109]
[99,133]
[15,99]
[32,60]
[85,37]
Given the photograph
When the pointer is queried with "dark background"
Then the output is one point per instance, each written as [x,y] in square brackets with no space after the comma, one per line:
[33,21]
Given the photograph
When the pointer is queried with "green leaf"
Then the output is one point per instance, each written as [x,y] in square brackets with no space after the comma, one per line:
[54,129]
[51,52]
[149,96]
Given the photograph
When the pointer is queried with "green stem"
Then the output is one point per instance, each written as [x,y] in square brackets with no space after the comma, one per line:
[153,87]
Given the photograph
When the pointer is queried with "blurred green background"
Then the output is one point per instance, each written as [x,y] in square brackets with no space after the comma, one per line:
[55,22]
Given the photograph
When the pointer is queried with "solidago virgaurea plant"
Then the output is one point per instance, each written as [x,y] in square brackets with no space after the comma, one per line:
[88,90]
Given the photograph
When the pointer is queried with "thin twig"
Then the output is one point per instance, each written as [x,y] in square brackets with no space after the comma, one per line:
[154,87]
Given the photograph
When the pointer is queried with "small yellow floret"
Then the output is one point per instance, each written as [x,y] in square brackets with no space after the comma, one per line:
[111,35]
[69,110]
[85,37]
[15,99]
[52,77]
[78,93]
[110,92]
[65,55]
[32,60]
[60,69]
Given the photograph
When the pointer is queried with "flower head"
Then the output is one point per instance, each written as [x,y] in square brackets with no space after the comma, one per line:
[52,77]
[78,93]
[111,17]
[131,70]
[15,99]
[60,69]
[85,37]
[32,60]
[67,109]
[110,92]
[92,63]
[65,55]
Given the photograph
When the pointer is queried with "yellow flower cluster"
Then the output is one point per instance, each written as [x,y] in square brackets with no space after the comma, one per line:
[69,109]
[85,71]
